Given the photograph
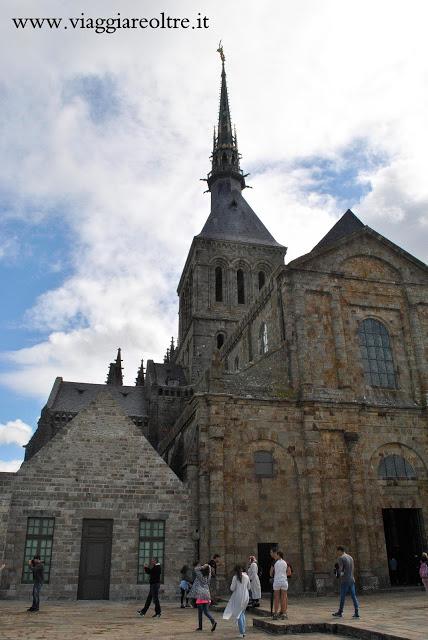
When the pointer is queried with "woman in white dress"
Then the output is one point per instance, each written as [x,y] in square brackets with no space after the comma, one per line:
[253,574]
[280,587]
[238,602]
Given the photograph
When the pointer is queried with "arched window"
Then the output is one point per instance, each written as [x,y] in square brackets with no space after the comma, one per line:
[263,339]
[220,340]
[395,466]
[218,284]
[263,463]
[236,364]
[240,286]
[262,279]
[376,353]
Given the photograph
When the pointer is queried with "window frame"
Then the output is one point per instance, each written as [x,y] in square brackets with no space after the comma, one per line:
[270,462]
[142,558]
[38,538]
[240,286]
[263,339]
[376,354]
[218,284]
[409,470]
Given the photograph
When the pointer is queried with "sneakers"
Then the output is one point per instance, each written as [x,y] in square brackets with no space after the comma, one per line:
[337,614]
[213,626]
[356,615]
[156,615]
[182,606]
[140,613]
[275,616]
[283,616]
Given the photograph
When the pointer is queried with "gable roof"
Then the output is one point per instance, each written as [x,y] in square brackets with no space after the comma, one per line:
[345,226]
[72,397]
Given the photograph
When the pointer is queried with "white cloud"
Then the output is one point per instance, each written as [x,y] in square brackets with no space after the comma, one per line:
[10,465]
[15,432]
[306,81]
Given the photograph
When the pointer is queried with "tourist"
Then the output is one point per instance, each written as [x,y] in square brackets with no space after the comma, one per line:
[154,571]
[213,586]
[423,570]
[393,569]
[185,584]
[347,582]
[238,602]
[36,568]
[200,591]
[273,558]
[253,574]
[280,587]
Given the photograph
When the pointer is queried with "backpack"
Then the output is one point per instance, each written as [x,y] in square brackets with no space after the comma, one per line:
[423,570]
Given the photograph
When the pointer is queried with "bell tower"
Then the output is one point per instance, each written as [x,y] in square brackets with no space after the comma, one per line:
[230,261]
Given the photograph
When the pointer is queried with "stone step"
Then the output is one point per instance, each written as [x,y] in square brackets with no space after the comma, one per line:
[333,628]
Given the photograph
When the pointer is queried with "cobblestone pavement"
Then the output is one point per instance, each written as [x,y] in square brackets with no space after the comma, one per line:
[400,614]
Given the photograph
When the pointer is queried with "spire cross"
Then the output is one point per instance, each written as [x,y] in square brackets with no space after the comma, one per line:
[221,52]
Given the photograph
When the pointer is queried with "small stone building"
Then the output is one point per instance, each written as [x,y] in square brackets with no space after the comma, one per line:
[292,411]
[97,502]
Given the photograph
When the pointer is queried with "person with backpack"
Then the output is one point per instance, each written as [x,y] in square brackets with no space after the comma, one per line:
[423,570]
[200,591]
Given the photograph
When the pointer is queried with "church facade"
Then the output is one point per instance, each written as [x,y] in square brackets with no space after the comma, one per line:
[292,411]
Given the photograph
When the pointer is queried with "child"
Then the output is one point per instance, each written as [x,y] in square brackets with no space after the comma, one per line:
[184,586]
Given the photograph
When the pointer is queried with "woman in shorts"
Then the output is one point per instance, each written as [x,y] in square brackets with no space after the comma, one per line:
[280,588]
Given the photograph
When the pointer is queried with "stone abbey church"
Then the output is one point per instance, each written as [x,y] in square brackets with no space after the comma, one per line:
[292,411]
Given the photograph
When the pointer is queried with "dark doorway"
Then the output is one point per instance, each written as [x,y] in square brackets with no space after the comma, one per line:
[405,541]
[265,563]
[95,557]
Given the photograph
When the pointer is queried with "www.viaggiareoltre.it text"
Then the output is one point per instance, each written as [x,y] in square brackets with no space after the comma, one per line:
[113,24]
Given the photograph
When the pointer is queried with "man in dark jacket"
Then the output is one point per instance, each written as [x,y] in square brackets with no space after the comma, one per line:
[36,567]
[154,571]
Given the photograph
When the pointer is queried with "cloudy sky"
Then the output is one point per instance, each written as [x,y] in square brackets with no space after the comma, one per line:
[103,139]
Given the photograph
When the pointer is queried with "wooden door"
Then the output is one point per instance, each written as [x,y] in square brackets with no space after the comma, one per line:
[95,559]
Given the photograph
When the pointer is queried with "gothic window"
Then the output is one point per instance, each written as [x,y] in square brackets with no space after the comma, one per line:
[395,466]
[240,286]
[263,463]
[151,545]
[38,541]
[220,340]
[218,284]
[376,352]
[263,339]
[262,279]
[236,364]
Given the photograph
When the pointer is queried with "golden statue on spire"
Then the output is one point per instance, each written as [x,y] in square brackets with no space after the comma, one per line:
[221,52]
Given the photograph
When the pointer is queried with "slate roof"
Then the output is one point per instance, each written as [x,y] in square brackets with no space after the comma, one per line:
[347,224]
[232,218]
[72,397]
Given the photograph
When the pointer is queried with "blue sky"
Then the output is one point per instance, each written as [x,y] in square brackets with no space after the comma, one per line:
[103,140]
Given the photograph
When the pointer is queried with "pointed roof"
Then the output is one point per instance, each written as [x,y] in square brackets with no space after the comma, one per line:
[347,224]
[232,218]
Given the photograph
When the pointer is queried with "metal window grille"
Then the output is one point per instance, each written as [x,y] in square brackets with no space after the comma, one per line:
[39,541]
[151,545]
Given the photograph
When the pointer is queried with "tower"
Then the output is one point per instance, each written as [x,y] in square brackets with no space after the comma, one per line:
[229,261]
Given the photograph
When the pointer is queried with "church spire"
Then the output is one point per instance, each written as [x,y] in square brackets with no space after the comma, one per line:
[115,375]
[225,156]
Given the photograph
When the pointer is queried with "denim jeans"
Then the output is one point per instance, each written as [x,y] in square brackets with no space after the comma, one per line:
[241,622]
[345,588]
[203,609]
[36,594]
[153,594]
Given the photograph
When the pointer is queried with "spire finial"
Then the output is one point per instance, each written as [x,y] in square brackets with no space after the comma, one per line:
[221,52]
